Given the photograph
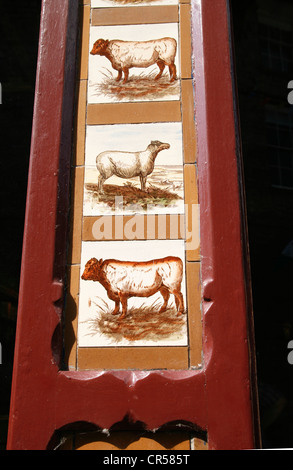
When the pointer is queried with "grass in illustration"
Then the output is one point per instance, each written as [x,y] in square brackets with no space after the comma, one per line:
[144,322]
[142,85]
[132,195]
[130,2]
[124,280]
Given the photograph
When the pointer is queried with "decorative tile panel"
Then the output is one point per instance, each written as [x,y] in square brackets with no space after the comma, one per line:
[134,263]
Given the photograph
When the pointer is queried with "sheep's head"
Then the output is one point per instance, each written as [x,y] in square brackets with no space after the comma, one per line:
[99,47]
[158,146]
[92,270]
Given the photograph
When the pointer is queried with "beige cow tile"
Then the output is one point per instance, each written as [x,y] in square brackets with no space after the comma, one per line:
[141,85]
[133,271]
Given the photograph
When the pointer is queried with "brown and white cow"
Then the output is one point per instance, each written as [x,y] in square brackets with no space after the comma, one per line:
[124,55]
[125,279]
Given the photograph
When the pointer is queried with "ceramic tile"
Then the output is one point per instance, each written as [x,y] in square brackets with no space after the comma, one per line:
[114,157]
[142,358]
[80,123]
[147,227]
[71,315]
[188,122]
[141,85]
[84,43]
[185,42]
[130,3]
[194,319]
[192,234]
[133,113]
[76,219]
[134,16]
[142,323]
[132,440]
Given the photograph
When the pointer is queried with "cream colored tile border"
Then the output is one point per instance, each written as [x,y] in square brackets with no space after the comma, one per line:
[133,113]
[77,210]
[188,123]
[132,440]
[167,227]
[133,358]
[191,213]
[85,18]
[80,123]
[194,313]
[71,313]
[130,15]
[185,42]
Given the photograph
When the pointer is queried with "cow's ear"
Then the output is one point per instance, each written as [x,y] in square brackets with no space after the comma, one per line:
[106,42]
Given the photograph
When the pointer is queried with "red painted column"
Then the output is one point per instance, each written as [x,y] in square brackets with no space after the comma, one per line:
[229,383]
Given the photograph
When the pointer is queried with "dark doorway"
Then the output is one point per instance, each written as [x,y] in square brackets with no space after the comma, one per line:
[19,25]
[263,47]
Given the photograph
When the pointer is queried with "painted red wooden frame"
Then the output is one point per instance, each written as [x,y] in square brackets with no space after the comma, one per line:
[220,398]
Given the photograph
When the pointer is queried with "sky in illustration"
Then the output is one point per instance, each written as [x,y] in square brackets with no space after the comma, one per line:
[135,137]
[139,32]
[113,3]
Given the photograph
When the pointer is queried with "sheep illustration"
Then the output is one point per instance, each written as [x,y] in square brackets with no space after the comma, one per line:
[128,164]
